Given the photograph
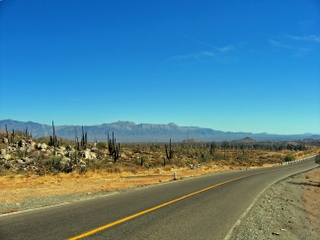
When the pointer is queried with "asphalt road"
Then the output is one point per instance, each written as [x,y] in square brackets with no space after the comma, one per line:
[199,208]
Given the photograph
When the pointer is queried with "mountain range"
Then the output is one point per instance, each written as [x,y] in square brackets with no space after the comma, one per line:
[126,131]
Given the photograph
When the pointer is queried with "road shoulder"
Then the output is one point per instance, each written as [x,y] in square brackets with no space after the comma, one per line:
[289,209]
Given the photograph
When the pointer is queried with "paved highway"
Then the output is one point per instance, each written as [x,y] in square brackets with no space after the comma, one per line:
[199,208]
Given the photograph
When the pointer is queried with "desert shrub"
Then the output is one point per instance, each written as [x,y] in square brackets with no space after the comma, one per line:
[243,159]
[100,153]
[133,170]
[117,169]
[141,161]
[289,157]
[317,160]
[167,168]
[300,154]
[224,162]
[57,164]
[217,156]
[7,166]
[19,154]
[203,158]
[144,161]
[158,162]
[178,163]
[96,165]
[101,145]
[109,170]
[53,161]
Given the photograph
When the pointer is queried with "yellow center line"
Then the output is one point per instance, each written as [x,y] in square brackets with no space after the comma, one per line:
[104,227]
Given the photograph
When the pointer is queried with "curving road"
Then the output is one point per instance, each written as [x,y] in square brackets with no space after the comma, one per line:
[199,208]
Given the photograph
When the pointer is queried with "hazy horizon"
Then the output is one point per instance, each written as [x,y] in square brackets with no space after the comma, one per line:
[138,123]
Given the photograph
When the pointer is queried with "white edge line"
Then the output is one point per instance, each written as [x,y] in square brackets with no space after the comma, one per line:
[227,237]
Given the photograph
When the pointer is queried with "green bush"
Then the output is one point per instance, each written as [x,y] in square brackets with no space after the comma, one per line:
[53,160]
[289,157]
[317,159]
[101,145]
[243,158]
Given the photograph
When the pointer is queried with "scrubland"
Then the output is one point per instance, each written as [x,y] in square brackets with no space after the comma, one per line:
[28,169]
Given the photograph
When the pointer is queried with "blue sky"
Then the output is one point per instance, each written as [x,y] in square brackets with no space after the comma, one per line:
[250,66]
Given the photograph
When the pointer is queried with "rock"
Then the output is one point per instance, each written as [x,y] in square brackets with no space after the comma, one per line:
[68,154]
[62,149]
[9,149]
[29,149]
[29,160]
[21,163]
[82,163]
[7,157]
[21,143]
[87,154]
[93,155]
[42,146]
[69,148]
[3,151]
[5,140]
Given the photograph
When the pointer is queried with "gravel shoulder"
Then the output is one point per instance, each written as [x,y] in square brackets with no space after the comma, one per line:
[289,209]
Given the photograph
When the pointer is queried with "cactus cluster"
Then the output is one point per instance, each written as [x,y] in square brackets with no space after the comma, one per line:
[53,140]
[114,147]
[11,138]
[83,142]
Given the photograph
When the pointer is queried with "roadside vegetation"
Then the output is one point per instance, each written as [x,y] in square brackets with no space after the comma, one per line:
[50,166]
[22,154]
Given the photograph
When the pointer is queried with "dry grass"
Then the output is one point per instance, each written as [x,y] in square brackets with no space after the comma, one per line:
[17,188]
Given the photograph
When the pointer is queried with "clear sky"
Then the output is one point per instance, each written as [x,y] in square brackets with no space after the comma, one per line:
[227,65]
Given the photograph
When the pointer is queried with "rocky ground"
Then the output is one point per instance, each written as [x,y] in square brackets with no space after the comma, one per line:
[288,210]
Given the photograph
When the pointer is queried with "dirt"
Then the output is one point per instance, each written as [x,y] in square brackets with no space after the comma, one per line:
[22,192]
[289,209]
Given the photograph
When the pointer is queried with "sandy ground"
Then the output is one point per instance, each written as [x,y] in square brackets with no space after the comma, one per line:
[21,192]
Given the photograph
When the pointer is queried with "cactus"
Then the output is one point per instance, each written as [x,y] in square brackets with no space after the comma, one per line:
[7,133]
[169,152]
[53,140]
[212,148]
[114,148]
[12,136]
[84,140]
[76,145]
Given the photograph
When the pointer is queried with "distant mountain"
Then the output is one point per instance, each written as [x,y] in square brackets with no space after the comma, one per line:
[126,131]
[245,140]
